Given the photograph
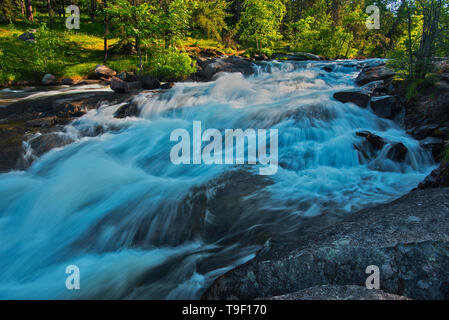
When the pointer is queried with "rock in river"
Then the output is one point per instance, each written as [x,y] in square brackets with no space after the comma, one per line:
[353,96]
[376,73]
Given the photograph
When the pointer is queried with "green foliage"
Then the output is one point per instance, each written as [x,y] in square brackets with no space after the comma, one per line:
[260,22]
[49,58]
[319,34]
[210,16]
[170,65]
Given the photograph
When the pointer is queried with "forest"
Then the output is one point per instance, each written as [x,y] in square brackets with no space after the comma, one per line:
[160,37]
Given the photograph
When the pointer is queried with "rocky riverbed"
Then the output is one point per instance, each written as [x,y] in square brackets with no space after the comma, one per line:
[407,239]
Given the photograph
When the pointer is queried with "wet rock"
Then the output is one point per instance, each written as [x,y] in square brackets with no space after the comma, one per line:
[353,96]
[128,76]
[150,82]
[398,152]
[260,57]
[407,239]
[128,110]
[45,142]
[435,145]
[43,122]
[375,141]
[385,106]
[67,82]
[423,132]
[121,86]
[439,178]
[209,67]
[167,85]
[48,79]
[336,292]
[376,73]
[103,72]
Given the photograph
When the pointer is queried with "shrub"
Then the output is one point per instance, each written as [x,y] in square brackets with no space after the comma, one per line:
[170,65]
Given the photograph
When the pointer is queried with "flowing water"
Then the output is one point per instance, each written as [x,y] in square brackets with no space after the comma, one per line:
[139,227]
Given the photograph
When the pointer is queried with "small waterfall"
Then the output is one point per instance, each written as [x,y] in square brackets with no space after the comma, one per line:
[139,227]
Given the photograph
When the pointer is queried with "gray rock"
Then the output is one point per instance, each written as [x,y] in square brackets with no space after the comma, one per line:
[336,292]
[398,152]
[371,74]
[167,85]
[45,142]
[150,82]
[339,254]
[209,67]
[385,106]
[121,86]
[435,145]
[439,178]
[103,72]
[67,82]
[48,79]
[128,76]
[353,96]
[127,110]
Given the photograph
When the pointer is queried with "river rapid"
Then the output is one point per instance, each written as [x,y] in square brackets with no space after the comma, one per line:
[140,227]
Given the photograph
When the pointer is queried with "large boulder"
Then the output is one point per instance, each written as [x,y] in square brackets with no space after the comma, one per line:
[385,106]
[150,82]
[439,178]
[375,141]
[397,152]
[407,239]
[376,73]
[129,109]
[209,67]
[353,96]
[121,86]
[48,79]
[336,292]
[103,72]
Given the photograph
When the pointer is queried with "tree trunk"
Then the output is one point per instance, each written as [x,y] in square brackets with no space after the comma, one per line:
[49,9]
[29,10]
[22,7]
[105,47]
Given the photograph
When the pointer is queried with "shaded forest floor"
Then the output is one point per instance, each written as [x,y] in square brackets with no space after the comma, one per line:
[77,52]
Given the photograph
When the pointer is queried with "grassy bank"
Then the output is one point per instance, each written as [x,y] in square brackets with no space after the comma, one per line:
[73,53]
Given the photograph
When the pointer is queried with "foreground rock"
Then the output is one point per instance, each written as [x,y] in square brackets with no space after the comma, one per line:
[439,178]
[376,73]
[335,292]
[407,239]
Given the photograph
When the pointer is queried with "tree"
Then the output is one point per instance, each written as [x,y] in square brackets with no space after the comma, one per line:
[431,10]
[133,20]
[210,16]
[260,22]
[29,10]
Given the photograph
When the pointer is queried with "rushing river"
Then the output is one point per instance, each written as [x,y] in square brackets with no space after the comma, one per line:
[140,227]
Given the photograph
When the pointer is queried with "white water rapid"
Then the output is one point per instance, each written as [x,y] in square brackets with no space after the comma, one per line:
[139,227]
